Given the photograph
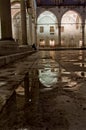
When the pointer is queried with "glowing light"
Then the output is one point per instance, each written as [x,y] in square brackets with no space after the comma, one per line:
[52,42]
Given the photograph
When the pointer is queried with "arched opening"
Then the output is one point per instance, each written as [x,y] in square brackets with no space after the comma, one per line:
[16,22]
[17,28]
[71,30]
[47,30]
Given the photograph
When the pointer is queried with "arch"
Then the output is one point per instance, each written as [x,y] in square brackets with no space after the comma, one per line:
[15,8]
[15,14]
[48,14]
[14,2]
[71,29]
[73,10]
[47,29]
[16,27]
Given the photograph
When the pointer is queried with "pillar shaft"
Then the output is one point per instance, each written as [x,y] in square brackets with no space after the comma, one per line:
[23,23]
[5,16]
[83,34]
[30,28]
[59,34]
[34,33]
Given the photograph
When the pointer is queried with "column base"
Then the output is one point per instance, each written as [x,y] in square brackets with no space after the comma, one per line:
[7,39]
[8,47]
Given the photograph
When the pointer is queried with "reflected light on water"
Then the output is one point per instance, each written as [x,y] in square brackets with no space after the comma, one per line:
[20,90]
[23,129]
[2,83]
[72,85]
[48,77]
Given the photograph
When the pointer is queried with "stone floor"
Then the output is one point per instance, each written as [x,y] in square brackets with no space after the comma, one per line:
[44,91]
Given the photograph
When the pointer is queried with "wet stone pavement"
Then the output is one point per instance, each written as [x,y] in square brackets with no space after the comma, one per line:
[44,91]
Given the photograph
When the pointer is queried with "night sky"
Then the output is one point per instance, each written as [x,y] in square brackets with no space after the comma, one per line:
[53,2]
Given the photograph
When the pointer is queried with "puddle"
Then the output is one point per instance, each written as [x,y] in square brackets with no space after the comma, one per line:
[72,60]
[80,64]
[2,83]
[51,75]
[72,86]
[20,90]
[81,74]
[25,111]
[31,108]
[48,76]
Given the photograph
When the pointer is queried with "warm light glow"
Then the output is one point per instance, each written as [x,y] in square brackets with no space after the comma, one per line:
[42,43]
[52,42]
[80,43]
[62,42]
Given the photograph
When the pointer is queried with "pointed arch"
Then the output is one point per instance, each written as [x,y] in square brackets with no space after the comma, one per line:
[15,14]
[71,24]
[47,29]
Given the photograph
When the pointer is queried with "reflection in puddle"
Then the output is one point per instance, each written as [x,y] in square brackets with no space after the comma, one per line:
[65,79]
[80,64]
[73,60]
[48,76]
[72,85]
[31,108]
[80,73]
[26,109]
[2,83]
[52,75]
[20,90]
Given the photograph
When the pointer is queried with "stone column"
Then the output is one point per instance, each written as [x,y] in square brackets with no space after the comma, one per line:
[83,34]
[5,17]
[34,32]
[35,28]
[30,27]
[23,23]
[59,34]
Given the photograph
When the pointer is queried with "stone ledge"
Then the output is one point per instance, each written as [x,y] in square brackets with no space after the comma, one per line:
[8,47]
[4,60]
[9,83]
